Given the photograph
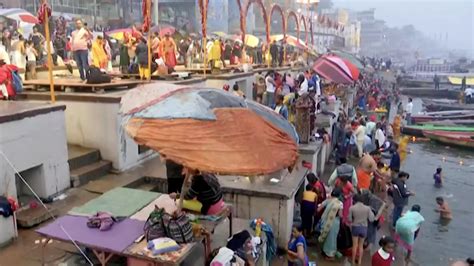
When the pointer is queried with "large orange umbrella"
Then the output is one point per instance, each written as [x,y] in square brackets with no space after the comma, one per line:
[210,130]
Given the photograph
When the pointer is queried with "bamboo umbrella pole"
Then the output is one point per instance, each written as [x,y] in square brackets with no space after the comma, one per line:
[184,189]
[148,6]
[204,41]
[50,58]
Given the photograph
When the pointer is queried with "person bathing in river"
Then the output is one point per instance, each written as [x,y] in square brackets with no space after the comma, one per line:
[445,215]
[438,177]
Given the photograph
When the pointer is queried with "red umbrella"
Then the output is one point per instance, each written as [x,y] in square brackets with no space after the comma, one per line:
[333,70]
[354,70]
[19,14]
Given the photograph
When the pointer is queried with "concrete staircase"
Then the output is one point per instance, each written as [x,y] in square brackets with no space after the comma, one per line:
[86,164]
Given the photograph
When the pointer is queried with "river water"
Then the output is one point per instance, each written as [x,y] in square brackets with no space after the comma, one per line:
[435,246]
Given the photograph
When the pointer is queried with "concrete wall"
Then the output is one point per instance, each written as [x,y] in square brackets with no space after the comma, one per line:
[7,230]
[245,84]
[38,141]
[98,125]
[277,212]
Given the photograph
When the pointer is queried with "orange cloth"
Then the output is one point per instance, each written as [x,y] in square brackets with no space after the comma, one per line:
[363,179]
[228,145]
[367,163]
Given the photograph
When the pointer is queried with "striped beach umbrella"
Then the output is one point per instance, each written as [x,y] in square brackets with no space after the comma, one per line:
[19,14]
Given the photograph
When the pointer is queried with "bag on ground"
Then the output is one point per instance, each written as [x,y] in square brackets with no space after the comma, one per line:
[154,227]
[178,228]
[17,82]
[95,76]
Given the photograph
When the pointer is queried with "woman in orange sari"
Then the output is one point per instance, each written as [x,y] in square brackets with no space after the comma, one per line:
[168,51]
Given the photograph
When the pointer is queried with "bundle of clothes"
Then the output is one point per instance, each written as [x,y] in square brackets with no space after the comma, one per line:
[7,206]
[241,249]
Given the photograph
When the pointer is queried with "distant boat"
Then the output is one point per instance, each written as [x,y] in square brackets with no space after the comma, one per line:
[418,130]
[442,115]
[459,139]
[432,105]
[450,122]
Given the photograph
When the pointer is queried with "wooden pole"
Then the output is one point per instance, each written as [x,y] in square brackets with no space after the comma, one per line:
[50,58]
[148,6]
[184,189]
[204,41]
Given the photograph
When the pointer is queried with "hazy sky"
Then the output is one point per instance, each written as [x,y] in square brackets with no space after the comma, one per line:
[429,16]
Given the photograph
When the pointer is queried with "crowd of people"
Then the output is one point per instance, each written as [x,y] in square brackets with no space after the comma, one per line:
[345,214]
[378,63]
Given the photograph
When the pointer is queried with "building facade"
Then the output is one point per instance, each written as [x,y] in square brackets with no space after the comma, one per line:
[372,36]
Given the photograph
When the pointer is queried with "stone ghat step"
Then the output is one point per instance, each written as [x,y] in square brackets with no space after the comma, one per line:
[84,174]
[79,156]
[34,216]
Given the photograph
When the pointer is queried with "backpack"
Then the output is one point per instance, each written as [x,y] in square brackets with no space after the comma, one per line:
[95,76]
[17,82]
[345,170]
[178,228]
[133,68]
[154,227]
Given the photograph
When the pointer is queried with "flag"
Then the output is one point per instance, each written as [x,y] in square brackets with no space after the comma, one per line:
[44,9]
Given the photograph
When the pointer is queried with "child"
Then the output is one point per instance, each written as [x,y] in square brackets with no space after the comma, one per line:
[384,256]
[443,209]
[359,216]
[438,178]
[31,55]
[308,209]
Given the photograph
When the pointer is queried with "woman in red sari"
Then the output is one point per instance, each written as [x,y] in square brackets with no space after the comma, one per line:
[347,192]
[168,51]
[8,91]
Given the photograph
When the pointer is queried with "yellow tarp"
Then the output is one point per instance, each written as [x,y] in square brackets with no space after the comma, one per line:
[458,80]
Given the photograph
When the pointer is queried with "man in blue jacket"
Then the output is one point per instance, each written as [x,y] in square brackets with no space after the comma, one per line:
[400,195]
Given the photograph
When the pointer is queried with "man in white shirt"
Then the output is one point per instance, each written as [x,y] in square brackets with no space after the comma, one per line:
[379,136]
[370,126]
[469,94]
[270,89]
[409,111]
[304,86]
[359,133]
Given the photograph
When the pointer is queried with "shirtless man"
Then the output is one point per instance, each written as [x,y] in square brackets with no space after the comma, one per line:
[443,209]
[445,215]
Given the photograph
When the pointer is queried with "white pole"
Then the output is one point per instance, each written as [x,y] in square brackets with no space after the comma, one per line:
[155,11]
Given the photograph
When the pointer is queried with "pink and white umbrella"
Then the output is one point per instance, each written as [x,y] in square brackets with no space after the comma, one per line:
[340,63]
[19,14]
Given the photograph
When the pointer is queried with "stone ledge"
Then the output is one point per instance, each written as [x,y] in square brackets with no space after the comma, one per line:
[12,111]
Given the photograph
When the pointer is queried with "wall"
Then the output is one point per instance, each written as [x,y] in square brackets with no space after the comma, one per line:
[245,84]
[35,141]
[99,126]
[277,212]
